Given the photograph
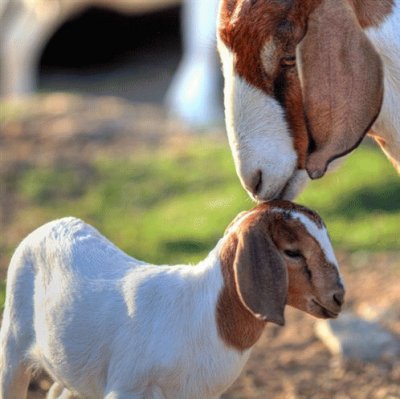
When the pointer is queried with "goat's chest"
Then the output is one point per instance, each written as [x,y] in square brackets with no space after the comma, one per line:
[203,375]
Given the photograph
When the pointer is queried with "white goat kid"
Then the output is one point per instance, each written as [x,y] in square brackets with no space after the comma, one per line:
[286,118]
[105,325]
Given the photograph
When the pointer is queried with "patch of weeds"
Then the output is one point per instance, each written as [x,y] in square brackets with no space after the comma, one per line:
[44,185]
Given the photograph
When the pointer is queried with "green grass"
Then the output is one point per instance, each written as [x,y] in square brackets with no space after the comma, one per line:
[173,206]
[164,207]
[360,202]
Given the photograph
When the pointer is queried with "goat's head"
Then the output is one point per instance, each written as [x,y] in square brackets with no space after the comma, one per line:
[286,117]
[280,253]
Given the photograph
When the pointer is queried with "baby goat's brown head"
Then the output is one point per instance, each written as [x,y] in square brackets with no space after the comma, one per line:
[276,254]
[278,127]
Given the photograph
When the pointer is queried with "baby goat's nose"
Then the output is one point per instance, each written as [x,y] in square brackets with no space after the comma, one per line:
[338,298]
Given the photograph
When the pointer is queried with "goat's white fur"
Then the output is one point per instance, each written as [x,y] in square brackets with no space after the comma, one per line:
[104,324]
[321,235]
[258,133]
[386,39]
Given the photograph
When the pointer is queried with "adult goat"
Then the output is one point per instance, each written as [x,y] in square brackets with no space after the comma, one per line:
[286,118]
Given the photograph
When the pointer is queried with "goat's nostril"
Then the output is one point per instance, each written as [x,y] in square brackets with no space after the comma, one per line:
[338,299]
[256,183]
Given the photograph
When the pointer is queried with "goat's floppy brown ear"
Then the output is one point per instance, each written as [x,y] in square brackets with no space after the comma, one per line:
[260,275]
[342,83]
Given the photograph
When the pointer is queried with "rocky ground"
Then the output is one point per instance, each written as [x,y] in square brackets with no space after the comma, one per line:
[287,362]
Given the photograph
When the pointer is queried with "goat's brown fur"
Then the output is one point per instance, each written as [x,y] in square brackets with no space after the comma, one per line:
[237,326]
[342,82]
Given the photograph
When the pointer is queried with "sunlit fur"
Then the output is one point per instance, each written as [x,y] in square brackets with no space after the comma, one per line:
[386,38]
[259,136]
[106,325]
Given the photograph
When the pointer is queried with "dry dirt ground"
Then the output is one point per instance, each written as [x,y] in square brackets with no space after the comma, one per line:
[288,362]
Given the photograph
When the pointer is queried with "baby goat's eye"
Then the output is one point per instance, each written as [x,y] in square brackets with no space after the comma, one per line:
[294,254]
[288,62]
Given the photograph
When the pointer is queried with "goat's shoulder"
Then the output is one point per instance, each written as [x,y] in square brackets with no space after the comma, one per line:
[59,229]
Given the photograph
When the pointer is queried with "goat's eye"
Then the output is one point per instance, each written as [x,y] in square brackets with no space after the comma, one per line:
[288,62]
[294,254]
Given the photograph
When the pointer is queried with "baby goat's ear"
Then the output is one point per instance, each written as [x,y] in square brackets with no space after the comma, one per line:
[260,275]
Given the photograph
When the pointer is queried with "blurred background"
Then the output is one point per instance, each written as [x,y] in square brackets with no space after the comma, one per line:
[101,126]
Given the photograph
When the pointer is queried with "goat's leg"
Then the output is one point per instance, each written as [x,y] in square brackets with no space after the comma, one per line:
[16,334]
[194,94]
[14,374]
[57,391]
[14,377]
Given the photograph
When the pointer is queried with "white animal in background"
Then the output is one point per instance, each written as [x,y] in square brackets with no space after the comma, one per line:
[194,95]
[286,119]
[105,325]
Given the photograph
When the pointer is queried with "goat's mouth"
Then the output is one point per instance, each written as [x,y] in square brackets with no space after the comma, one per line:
[324,312]
[278,194]
[294,185]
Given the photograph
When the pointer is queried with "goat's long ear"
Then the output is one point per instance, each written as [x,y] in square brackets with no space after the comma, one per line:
[342,83]
[260,275]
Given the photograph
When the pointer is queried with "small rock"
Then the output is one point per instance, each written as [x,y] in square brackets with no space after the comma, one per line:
[357,339]
[377,313]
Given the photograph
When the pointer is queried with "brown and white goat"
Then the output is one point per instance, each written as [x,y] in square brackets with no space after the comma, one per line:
[286,117]
[105,325]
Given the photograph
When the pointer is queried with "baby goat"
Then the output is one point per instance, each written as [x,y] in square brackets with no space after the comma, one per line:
[105,325]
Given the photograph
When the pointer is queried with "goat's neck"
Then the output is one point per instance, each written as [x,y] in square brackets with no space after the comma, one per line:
[237,327]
